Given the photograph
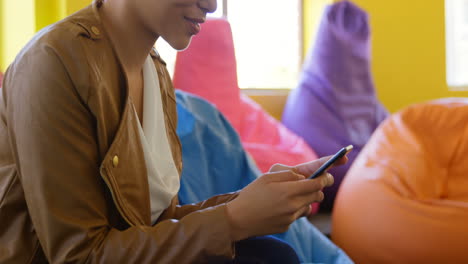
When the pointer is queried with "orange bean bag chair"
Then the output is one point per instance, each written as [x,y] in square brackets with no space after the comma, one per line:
[405,199]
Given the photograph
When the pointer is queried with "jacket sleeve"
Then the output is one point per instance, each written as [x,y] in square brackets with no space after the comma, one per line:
[176,211]
[54,142]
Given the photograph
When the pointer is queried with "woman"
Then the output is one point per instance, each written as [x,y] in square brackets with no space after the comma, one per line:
[90,161]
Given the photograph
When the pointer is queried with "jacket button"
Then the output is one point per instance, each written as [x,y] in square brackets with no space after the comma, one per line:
[95,30]
[115,161]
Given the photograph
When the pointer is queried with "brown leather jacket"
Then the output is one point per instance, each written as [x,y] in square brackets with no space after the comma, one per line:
[73,182]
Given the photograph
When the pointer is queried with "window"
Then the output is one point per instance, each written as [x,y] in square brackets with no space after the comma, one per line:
[457,43]
[267,38]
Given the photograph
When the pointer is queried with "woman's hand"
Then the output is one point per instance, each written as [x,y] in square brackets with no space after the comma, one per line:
[273,201]
[306,169]
[276,199]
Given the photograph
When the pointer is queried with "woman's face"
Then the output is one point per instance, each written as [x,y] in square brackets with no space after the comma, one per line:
[176,21]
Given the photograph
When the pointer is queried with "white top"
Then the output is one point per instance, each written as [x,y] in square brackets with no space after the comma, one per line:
[163,177]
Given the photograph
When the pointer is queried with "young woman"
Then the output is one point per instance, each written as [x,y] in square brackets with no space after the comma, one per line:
[90,160]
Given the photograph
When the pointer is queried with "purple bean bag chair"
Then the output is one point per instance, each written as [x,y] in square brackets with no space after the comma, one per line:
[335,103]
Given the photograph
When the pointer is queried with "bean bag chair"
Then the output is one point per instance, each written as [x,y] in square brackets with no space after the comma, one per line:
[405,199]
[215,162]
[208,69]
[1,79]
[335,104]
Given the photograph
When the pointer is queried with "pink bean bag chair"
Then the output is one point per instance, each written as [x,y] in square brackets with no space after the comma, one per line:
[208,69]
[405,198]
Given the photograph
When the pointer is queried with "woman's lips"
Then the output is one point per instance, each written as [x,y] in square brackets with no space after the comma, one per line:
[194,25]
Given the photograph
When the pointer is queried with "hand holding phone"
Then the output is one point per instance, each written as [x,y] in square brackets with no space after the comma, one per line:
[341,153]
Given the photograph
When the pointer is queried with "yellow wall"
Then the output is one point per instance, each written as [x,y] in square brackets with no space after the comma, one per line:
[48,12]
[1,33]
[75,5]
[408,50]
[20,19]
[313,10]
[16,28]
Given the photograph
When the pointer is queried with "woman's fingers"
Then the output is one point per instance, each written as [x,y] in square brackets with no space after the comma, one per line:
[341,161]
[280,167]
[310,167]
[283,176]
[307,186]
[307,200]
[330,178]
[304,211]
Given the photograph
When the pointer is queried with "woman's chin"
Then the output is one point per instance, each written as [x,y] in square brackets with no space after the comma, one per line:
[180,44]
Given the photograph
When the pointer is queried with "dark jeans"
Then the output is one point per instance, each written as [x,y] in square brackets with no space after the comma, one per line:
[265,250]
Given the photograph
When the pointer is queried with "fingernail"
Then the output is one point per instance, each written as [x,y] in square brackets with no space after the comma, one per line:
[330,178]
[325,182]
[322,196]
[294,169]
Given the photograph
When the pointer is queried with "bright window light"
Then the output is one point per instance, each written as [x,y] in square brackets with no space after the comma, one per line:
[457,43]
[267,40]
[219,10]
[168,54]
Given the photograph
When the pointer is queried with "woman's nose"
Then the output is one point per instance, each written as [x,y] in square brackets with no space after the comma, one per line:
[208,6]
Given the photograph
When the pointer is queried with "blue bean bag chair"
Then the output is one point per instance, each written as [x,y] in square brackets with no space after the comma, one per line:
[215,162]
[335,103]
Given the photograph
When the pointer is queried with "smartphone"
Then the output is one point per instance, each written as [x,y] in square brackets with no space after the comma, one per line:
[341,153]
